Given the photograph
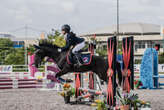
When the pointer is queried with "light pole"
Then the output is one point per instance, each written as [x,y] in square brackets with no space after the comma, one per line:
[118,19]
[117,33]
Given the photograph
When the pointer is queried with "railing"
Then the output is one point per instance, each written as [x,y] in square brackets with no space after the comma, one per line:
[19,68]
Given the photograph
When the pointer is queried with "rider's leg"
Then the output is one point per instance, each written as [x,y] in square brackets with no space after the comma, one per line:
[78,47]
[75,51]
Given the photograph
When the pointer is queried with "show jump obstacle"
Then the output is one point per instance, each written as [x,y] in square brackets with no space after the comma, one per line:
[149,70]
[93,79]
[128,63]
[127,72]
[10,79]
[17,80]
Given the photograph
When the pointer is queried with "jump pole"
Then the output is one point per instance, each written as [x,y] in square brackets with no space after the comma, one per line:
[128,61]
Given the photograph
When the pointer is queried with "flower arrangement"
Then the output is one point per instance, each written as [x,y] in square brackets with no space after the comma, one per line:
[100,105]
[130,99]
[67,92]
[137,84]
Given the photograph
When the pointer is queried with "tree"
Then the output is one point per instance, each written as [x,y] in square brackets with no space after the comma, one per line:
[102,50]
[10,55]
[6,46]
[57,39]
[5,42]
[54,36]
[30,49]
[15,57]
[161,58]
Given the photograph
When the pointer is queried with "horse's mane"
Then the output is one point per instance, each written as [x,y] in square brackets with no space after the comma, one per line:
[47,43]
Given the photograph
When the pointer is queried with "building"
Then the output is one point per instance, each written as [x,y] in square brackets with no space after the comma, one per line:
[145,35]
[6,35]
[20,41]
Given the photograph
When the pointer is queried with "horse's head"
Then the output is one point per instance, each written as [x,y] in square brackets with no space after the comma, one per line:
[39,56]
[45,50]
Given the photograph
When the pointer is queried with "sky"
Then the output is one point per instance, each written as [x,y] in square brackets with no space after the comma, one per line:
[82,15]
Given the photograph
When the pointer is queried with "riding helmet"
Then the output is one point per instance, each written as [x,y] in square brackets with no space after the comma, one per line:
[66,28]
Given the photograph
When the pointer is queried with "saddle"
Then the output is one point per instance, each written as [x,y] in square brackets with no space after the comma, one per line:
[84,58]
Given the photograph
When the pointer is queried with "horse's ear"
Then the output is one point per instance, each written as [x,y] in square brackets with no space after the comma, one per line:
[36,51]
[37,47]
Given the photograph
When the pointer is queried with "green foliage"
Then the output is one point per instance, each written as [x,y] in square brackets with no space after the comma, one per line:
[102,51]
[30,50]
[137,61]
[15,57]
[161,58]
[57,39]
[101,105]
[9,55]
[6,46]
[119,47]
[5,43]
[56,34]
[131,98]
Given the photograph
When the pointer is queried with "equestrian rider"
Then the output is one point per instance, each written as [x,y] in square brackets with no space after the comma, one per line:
[72,40]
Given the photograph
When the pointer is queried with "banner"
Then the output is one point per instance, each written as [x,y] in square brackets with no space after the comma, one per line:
[6,68]
[137,68]
[160,67]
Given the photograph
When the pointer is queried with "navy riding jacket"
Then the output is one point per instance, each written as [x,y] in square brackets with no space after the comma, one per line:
[72,40]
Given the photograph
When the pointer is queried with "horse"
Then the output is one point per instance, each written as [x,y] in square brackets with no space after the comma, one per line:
[98,64]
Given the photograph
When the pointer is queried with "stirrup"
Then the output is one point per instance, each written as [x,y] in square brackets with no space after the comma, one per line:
[78,61]
[78,65]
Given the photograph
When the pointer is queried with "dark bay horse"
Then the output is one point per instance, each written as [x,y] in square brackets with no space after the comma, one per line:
[98,65]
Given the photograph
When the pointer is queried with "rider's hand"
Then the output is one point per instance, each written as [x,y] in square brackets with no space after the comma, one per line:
[59,50]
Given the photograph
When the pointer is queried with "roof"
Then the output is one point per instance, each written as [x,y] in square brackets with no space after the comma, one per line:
[6,35]
[24,38]
[139,28]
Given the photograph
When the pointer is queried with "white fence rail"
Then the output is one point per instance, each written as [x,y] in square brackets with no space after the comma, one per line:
[137,68]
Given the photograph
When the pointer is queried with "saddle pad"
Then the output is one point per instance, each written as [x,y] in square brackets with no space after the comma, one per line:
[85,57]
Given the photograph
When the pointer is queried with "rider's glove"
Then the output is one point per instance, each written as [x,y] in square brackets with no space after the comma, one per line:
[59,50]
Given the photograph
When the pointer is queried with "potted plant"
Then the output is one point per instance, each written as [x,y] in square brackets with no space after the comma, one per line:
[137,84]
[67,92]
[142,105]
[100,104]
[123,99]
[131,99]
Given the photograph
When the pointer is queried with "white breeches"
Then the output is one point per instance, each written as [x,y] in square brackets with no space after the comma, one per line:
[78,47]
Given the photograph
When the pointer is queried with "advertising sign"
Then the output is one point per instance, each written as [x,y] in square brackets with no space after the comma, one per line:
[6,68]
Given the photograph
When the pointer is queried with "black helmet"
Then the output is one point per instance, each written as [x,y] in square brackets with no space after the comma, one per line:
[66,28]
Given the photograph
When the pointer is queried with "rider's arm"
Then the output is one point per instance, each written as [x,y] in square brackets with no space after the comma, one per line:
[68,44]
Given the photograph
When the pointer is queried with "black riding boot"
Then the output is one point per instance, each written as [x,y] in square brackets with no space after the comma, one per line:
[78,59]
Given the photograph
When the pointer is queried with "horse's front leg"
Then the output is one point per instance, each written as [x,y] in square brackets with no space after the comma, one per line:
[65,70]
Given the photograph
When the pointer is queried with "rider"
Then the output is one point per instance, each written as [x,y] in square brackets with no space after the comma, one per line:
[72,40]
